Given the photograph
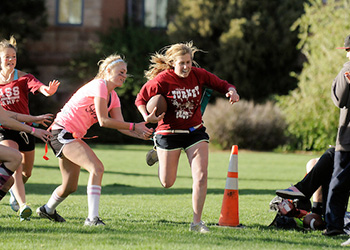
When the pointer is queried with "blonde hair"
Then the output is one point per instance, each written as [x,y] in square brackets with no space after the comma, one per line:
[109,62]
[4,44]
[164,59]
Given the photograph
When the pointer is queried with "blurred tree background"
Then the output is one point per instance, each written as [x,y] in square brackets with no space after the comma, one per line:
[309,110]
[16,20]
[278,53]
[249,43]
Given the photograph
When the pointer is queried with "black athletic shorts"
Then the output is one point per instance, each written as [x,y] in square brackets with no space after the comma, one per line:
[25,141]
[60,137]
[181,140]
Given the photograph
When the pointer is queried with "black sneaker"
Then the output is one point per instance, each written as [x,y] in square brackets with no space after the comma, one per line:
[41,211]
[94,222]
[152,157]
[333,232]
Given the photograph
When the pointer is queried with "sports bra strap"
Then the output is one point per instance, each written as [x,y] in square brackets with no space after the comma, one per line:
[15,75]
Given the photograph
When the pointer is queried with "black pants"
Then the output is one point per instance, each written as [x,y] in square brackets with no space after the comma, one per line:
[320,175]
[338,194]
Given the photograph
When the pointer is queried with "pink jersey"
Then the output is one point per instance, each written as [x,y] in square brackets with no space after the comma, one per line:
[14,95]
[79,114]
[183,96]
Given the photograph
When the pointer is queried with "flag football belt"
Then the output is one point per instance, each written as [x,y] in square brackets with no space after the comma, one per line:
[179,131]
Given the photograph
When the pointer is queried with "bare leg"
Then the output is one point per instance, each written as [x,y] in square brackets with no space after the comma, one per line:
[168,164]
[10,159]
[317,196]
[198,158]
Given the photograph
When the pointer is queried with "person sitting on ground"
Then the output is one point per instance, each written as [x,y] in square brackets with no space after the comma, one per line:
[319,175]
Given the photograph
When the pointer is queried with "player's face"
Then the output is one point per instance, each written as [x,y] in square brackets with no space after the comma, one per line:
[183,65]
[117,74]
[8,59]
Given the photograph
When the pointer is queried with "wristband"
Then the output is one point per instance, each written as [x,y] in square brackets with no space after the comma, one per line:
[131,126]
[33,131]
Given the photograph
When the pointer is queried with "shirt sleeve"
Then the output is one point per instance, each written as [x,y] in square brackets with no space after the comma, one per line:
[33,83]
[148,90]
[212,81]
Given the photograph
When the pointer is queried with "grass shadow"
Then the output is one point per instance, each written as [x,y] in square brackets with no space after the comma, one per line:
[116,189]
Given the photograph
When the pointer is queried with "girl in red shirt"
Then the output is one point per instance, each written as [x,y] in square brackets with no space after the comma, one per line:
[172,75]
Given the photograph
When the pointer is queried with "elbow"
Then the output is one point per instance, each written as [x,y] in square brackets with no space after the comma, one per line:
[103,123]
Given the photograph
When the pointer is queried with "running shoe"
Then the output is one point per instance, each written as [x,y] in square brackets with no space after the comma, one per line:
[152,157]
[41,211]
[94,222]
[13,202]
[200,227]
[290,193]
[25,212]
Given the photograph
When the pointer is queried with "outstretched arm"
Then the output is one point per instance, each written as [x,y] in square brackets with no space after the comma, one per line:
[116,121]
[40,119]
[9,120]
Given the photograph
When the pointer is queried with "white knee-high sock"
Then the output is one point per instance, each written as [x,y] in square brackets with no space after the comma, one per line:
[53,202]
[93,194]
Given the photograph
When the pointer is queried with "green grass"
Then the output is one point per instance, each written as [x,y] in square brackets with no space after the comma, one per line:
[140,214]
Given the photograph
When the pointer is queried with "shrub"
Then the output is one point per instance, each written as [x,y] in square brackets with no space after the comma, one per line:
[248,125]
[309,110]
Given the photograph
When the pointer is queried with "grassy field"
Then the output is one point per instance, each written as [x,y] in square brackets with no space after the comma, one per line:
[140,214]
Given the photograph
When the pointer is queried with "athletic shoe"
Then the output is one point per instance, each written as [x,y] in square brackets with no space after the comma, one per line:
[152,157]
[200,227]
[346,243]
[25,212]
[290,193]
[13,202]
[94,222]
[274,203]
[41,211]
[333,232]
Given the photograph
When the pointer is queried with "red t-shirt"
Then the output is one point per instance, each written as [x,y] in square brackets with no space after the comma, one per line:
[183,96]
[14,95]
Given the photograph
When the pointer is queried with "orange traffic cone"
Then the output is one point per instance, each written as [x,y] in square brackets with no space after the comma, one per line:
[229,210]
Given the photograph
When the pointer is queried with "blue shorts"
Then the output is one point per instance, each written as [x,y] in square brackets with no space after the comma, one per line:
[25,141]
[181,140]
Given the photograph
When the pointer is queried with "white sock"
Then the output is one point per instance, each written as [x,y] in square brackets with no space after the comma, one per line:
[53,202]
[93,194]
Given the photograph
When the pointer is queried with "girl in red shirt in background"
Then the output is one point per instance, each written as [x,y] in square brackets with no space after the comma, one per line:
[15,86]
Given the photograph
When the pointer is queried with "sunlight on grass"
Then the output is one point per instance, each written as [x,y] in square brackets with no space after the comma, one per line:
[140,214]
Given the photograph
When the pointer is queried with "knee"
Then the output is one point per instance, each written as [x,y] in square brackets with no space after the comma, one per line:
[27,174]
[98,169]
[17,159]
[166,183]
[310,164]
[201,179]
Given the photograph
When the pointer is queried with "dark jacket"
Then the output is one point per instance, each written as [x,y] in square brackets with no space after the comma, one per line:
[341,98]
